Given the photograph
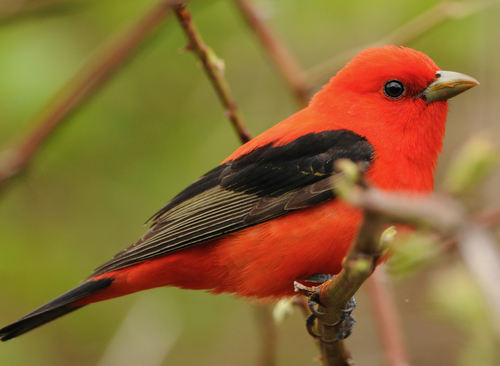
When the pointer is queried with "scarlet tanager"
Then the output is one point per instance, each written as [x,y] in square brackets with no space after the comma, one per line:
[267,216]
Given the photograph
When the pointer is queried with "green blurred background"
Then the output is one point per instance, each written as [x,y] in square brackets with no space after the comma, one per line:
[154,128]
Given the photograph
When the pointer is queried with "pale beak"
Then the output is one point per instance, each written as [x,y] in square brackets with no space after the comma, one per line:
[447,85]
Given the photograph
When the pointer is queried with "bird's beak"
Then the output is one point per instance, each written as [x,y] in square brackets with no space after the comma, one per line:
[447,85]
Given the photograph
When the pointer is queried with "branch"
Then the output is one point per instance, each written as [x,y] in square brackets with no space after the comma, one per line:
[489,218]
[480,254]
[334,295]
[214,68]
[358,265]
[404,35]
[72,96]
[389,325]
[282,57]
[267,334]
[24,10]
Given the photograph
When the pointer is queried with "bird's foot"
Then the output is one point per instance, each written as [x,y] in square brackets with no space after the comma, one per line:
[343,325]
[314,292]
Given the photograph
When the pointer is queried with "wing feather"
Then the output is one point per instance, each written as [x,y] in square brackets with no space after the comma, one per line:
[266,183]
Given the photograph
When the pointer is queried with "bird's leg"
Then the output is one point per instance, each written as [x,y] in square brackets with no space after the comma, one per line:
[346,321]
[320,277]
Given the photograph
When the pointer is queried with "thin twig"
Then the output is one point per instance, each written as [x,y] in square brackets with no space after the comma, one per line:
[404,35]
[480,254]
[285,61]
[214,68]
[334,295]
[78,90]
[489,217]
[301,303]
[15,11]
[389,326]
[267,334]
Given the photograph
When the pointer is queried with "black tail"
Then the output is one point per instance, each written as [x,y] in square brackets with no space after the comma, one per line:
[52,310]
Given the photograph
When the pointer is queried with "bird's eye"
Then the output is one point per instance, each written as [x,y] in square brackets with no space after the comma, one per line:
[394,89]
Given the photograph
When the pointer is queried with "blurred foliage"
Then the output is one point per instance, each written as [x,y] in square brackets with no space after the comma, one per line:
[283,309]
[472,163]
[387,238]
[411,254]
[153,129]
[456,298]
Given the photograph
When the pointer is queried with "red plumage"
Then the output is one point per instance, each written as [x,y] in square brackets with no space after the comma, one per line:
[264,260]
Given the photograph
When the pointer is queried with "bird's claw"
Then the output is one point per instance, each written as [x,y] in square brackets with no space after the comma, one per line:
[312,306]
[345,323]
[310,320]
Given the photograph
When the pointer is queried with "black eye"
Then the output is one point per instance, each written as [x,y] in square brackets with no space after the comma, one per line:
[394,89]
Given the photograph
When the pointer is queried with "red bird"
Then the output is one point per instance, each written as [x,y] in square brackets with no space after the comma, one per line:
[267,216]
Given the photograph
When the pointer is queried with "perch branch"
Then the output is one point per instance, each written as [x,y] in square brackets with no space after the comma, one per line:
[334,295]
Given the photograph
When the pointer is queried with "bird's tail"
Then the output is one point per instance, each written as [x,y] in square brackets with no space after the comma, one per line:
[54,309]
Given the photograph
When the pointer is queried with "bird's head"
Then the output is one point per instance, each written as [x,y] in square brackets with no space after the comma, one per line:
[386,85]
[394,91]
[397,98]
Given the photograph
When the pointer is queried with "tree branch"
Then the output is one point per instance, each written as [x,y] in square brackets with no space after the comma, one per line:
[358,265]
[267,335]
[333,295]
[72,96]
[389,326]
[404,35]
[214,68]
[282,57]
[24,10]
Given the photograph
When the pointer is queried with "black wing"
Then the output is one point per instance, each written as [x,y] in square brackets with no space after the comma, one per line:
[266,183]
